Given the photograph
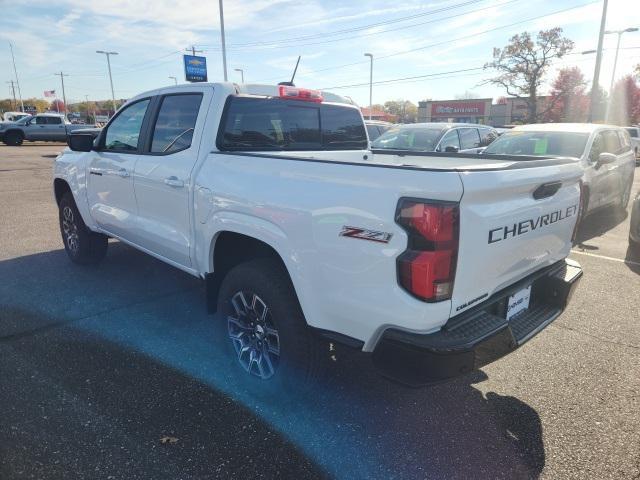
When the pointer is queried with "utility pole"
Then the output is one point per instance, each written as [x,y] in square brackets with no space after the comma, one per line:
[113,95]
[370,85]
[17,80]
[224,48]
[64,96]
[13,89]
[596,74]
[193,51]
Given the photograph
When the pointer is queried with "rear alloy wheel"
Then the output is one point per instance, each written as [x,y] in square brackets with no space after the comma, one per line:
[13,139]
[263,331]
[254,337]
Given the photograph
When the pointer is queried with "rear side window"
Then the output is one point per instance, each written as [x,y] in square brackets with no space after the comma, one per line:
[54,120]
[176,120]
[487,136]
[262,124]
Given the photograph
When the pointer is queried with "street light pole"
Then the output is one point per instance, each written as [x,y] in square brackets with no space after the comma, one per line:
[113,95]
[224,48]
[370,84]
[175,80]
[241,73]
[596,73]
[615,63]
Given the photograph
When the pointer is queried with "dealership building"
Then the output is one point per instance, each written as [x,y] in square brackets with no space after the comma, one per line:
[506,111]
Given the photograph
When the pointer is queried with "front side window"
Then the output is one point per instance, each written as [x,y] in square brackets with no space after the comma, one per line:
[611,142]
[450,140]
[176,121]
[625,141]
[469,138]
[41,120]
[633,132]
[123,134]
[597,147]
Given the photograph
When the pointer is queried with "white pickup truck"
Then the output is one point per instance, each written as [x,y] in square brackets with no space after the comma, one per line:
[434,263]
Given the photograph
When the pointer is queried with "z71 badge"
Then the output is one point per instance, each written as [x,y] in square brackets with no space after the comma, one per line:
[364,234]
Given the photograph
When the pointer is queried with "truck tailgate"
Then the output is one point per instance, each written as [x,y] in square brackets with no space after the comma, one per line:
[512,223]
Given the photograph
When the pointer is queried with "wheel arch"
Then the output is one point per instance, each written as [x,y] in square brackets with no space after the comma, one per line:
[230,248]
[60,187]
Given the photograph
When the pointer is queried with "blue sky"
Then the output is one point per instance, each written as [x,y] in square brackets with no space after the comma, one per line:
[407,38]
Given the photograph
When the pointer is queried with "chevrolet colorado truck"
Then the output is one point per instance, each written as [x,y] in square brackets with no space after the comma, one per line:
[434,264]
[44,127]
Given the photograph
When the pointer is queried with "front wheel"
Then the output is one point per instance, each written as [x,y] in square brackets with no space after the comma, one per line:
[624,197]
[13,139]
[81,244]
[263,329]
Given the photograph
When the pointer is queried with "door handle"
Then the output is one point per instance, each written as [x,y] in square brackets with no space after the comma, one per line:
[174,181]
[96,171]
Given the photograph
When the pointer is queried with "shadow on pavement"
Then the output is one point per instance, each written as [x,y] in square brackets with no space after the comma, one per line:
[597,224]
[102,362]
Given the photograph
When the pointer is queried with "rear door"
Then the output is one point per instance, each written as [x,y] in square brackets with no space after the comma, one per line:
[162,180]
[55,129]
[110,171]
[506,233]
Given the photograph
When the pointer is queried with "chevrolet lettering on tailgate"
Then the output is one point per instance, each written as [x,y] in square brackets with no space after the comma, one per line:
[502,233]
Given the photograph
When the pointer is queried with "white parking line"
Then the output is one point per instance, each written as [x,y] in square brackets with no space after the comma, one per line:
[628,262]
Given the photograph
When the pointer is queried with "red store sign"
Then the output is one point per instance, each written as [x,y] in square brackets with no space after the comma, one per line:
[457,109]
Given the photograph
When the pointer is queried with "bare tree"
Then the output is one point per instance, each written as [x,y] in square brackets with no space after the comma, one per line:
[523,63]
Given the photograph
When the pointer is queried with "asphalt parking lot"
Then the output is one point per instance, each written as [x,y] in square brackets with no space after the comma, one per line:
[109,372]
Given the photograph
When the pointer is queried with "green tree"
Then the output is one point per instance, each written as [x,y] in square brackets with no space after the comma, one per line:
[406,111]
[522,64]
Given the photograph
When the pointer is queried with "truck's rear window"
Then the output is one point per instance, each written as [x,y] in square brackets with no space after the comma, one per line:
[266,124]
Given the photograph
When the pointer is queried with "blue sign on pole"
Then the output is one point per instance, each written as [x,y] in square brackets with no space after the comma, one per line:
[195,68]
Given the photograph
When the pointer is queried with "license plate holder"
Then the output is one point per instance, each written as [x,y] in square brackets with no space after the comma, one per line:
[518,302]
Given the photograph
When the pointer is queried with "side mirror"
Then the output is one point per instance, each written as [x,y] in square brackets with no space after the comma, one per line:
[451,149]
[605,158]
[80,142]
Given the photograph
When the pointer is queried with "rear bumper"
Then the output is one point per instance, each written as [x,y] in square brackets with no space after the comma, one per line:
[478,336]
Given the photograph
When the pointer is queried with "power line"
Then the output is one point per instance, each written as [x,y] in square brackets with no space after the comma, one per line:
[352,29]
[465,37]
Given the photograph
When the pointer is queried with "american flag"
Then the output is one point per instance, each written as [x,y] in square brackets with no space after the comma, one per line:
[49,93]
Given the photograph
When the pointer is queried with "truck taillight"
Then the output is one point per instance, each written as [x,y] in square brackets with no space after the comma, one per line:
[304,94]
[427,268]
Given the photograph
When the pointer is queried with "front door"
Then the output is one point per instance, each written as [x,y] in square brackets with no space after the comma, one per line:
[162,177]
[110,171]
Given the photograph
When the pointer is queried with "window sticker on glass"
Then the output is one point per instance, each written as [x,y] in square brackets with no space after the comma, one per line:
[541,146]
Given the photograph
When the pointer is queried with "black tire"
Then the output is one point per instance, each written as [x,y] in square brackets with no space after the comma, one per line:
[625,196]
[13,139]
[83,246]
[299,362]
